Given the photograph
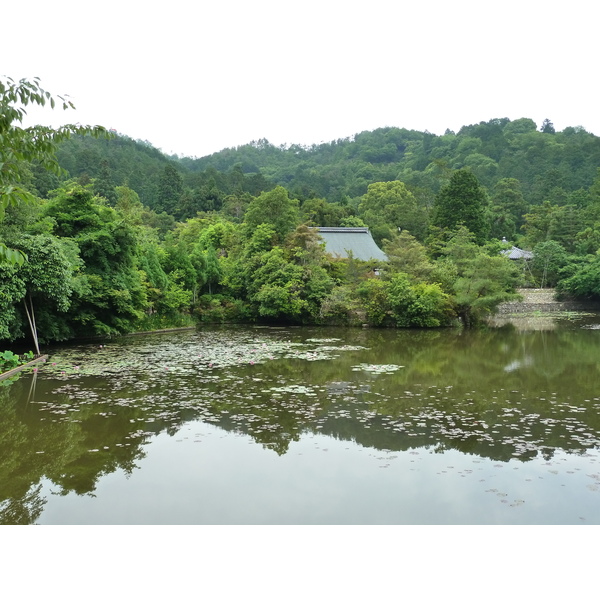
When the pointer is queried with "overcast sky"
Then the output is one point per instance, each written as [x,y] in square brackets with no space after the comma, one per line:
[193,78]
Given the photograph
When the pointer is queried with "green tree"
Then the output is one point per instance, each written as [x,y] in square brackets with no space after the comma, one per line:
[540,222]
[128,204]
[179,263]
[22,145]
[352,221]
[234,205]
[408,256]
[462,202]
[287,284]
[547,127]
[275,285]
[480,282]
[113,297]
[507,208]
[519,126]
[12,292]
[170,190]
[321,213]
[549,221]
[391,204]
[373,294]
[548,259]
[274,208]
[418,305]
[150,258]
[104,185]
[585,282]
[40,287]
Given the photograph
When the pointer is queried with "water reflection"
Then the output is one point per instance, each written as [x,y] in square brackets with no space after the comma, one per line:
[93,414]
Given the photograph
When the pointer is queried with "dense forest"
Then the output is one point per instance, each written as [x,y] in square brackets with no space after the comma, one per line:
[101,234]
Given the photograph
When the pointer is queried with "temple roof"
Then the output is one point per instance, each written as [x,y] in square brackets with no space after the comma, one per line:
[358,240]
[515,253]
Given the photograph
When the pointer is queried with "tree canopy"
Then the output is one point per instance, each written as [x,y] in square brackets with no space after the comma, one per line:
[462,201]
[20,146]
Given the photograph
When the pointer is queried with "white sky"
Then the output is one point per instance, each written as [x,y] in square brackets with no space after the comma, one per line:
[193,78]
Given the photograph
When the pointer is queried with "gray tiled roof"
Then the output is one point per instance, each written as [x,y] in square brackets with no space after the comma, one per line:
[358,240]
[515,253]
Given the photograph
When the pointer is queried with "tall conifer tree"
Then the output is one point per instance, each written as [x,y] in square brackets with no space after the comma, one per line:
[462,202]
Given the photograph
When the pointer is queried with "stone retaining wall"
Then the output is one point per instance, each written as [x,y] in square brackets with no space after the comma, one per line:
[542,300]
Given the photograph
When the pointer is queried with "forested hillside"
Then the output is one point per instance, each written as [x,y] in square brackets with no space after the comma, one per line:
[124,238]
[162,183]
[541,160]
[518,165]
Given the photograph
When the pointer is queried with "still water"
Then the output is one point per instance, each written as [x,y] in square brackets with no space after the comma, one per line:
[263,425]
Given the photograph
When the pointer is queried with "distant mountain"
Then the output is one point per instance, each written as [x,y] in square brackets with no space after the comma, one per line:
[548,164]
[497,149]
[121,160]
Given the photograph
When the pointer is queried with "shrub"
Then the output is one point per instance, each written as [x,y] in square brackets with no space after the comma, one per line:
[418,305]
[373,294]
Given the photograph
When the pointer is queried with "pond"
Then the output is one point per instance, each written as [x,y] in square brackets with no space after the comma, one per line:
[265,425]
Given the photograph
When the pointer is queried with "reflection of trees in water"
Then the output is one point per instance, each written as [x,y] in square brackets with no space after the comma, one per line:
[35,445]
[479,359]
[24,510]
[494,394]
[487,393]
